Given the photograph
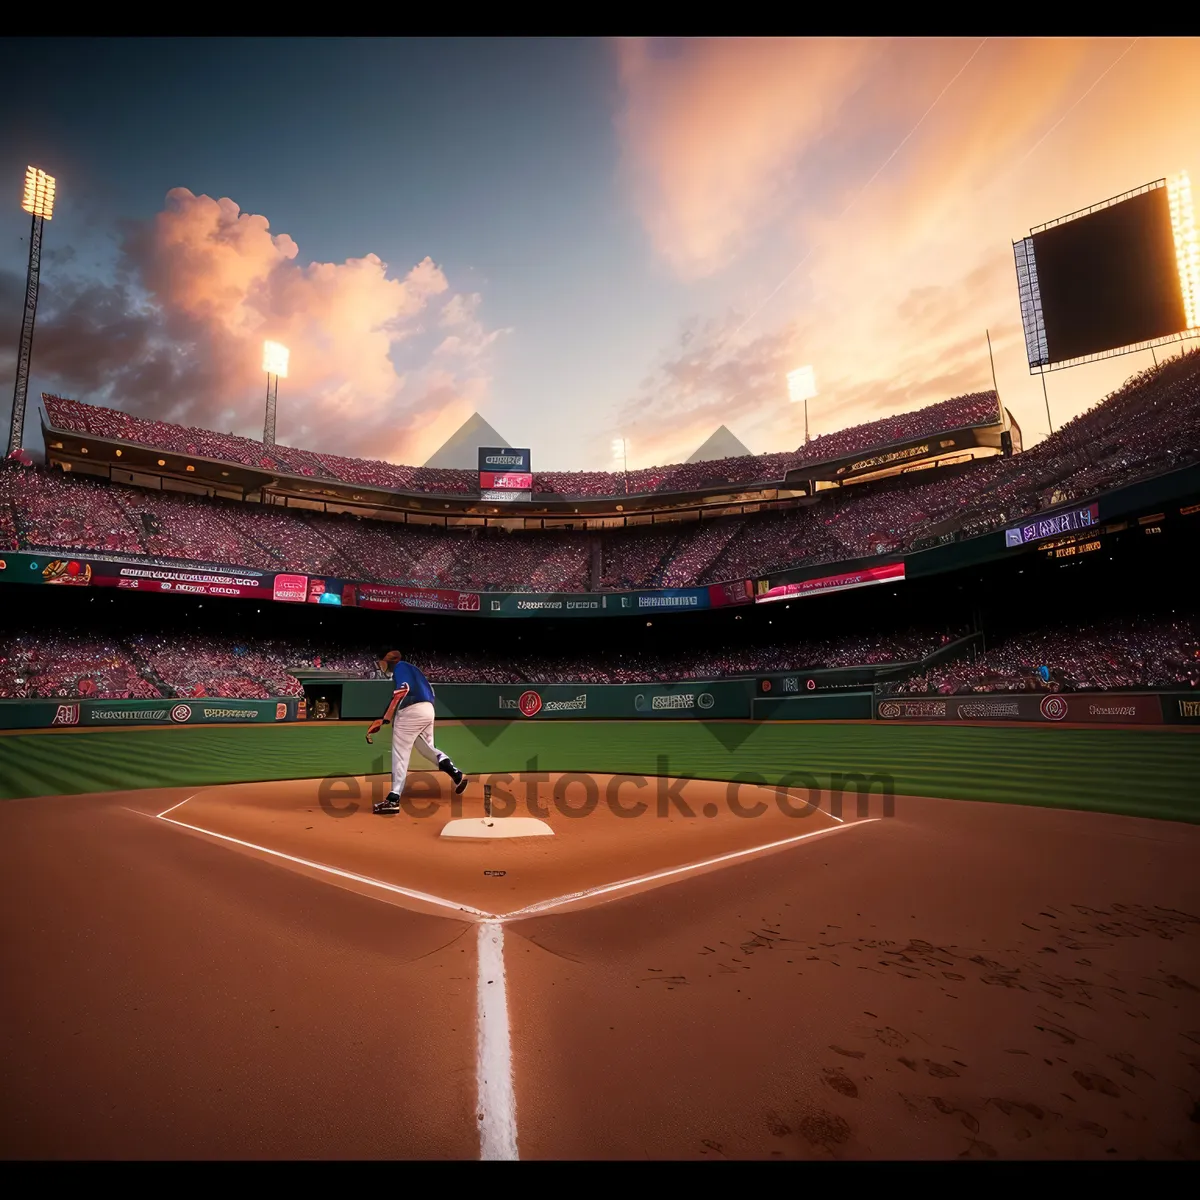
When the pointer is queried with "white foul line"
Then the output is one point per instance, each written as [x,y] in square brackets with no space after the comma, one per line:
[179,805]
[588,893]
[496,1101]
[496,1105]
[316,866]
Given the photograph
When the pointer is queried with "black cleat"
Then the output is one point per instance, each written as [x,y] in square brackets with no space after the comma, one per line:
[458,778]
[389,804]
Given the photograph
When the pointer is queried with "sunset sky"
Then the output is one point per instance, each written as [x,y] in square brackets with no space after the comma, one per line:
[580,239]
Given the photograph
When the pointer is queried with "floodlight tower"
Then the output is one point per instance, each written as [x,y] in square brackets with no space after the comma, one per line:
[39,203]
[620,446]
[275,363]
[1187,247]
[802,385]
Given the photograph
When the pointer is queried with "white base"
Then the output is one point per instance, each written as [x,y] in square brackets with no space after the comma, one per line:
[487,828]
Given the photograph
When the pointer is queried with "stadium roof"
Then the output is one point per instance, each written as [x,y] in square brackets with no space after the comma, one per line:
[721,444]
[461,451]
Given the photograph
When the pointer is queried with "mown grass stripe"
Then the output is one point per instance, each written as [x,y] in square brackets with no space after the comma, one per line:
[1150,772]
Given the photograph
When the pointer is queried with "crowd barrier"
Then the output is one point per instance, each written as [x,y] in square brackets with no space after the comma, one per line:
[47,714]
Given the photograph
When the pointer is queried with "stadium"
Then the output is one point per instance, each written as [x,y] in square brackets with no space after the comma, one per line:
[830,803]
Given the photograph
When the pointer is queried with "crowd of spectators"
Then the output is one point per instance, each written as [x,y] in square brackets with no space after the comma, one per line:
[961,411]
[1150,425]
[1134,652]
[154,664]
[61,663]
[1131,652]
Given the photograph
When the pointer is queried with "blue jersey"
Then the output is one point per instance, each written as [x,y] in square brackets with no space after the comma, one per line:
[419,689]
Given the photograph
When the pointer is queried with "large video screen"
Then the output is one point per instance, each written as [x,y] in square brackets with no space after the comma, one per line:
[505,473]
[503,459]
[1105,281]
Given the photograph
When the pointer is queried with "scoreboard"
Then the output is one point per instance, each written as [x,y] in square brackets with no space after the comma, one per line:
[505,474]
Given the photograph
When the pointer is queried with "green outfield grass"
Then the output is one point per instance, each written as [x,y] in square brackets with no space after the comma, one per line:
[1146,772]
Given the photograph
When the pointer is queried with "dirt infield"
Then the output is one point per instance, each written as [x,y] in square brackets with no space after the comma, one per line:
[256,974]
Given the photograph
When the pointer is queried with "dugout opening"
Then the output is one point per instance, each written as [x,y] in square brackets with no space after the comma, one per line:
[323,701]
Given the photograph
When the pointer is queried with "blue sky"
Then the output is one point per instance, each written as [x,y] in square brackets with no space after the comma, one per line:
[580,203]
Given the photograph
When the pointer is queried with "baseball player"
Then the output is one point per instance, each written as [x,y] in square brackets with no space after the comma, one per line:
[412,707]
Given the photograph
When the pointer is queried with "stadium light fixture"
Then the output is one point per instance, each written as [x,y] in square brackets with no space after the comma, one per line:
[39,193]
[275,359]
[802,384]
[275,363]
[802,387]
[38,201]
[620,450]
[1187,249]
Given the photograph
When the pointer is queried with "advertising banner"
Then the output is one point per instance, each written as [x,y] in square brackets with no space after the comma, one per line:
[902,454]
[64,571]
[502,497]
[667,600]
[887,573]
[324,591]
[1043,527]
[824,679]
[179,580]
[543,604]
[38,714]
[248,583]
[1092,708]
[614,604]
[410,599]
[699,700]
[513,480]
[1181,710]
[738,591]
[43,714]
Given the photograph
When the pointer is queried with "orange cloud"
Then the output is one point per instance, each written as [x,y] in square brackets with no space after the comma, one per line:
[886,274]
[220,282]
[713,135]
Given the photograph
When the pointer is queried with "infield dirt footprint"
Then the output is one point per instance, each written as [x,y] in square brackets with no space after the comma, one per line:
[824,1129]
[936,1069]
[837,1079]
[1092,1082]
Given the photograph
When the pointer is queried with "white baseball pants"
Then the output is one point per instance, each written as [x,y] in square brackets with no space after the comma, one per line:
[410,726]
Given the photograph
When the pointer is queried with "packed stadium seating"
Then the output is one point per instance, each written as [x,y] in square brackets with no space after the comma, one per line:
[1110,655]
[961,411]
[65,663]
[1150,425]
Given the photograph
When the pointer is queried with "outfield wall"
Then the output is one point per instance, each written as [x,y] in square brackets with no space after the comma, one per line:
[837,706]
[698,700]
[1072,708]
[50,714]
[706,700]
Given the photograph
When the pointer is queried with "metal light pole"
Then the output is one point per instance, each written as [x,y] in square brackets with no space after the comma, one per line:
[1046,397]
[39,203]
[275,363]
